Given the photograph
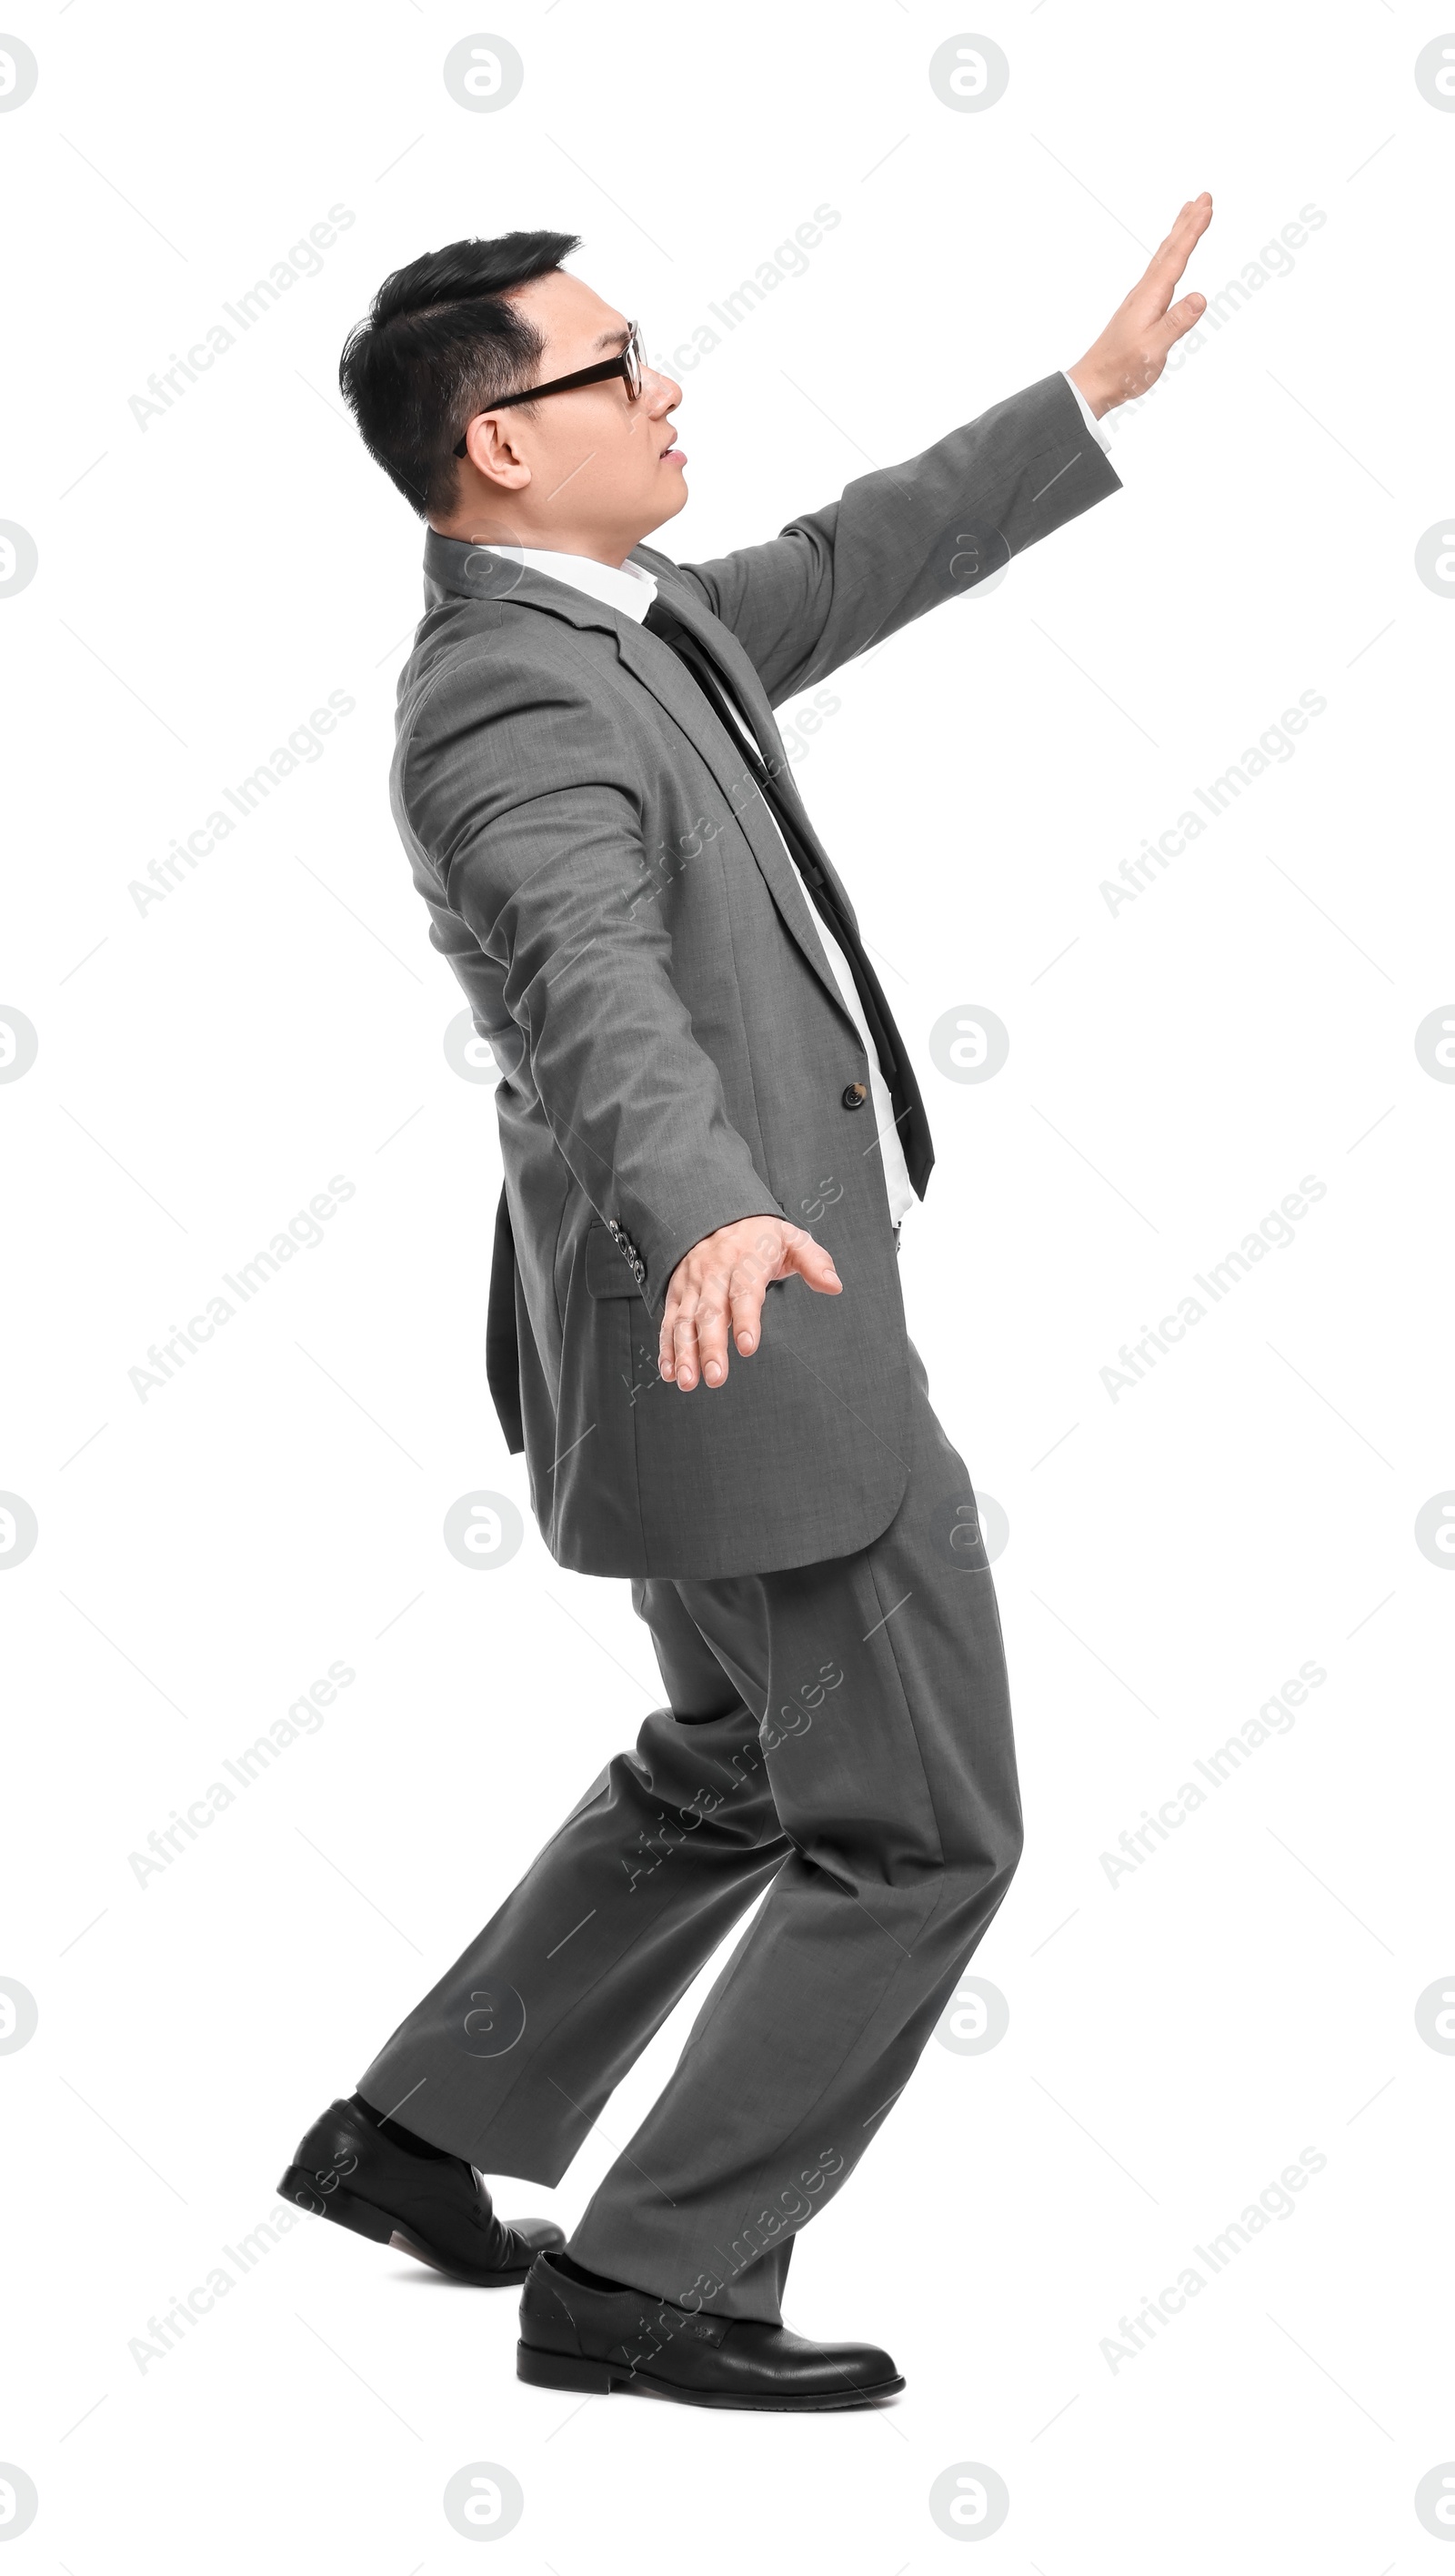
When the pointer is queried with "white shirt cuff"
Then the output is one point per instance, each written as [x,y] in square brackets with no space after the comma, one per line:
[1089,416]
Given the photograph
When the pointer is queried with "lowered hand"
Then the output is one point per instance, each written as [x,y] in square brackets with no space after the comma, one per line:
[720,1285]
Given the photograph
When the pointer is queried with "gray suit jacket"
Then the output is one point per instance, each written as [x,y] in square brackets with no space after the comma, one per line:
[604,877]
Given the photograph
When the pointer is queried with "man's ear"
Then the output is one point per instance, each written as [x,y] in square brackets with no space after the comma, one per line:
[490,447]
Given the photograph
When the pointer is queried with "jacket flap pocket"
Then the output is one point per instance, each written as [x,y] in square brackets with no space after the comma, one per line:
[607,1274]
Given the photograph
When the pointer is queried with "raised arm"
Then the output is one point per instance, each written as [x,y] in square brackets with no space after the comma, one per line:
[901,540]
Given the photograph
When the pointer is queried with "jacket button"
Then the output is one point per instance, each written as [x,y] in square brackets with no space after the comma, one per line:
[854,1094]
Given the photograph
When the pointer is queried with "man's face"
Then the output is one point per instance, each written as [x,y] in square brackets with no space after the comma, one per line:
[587,468]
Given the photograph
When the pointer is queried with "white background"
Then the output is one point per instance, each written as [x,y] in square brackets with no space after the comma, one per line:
[206,1065]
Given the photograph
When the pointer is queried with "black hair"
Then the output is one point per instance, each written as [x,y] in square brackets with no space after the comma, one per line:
[439,344]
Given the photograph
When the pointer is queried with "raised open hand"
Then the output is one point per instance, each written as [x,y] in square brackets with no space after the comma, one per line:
[1132,351]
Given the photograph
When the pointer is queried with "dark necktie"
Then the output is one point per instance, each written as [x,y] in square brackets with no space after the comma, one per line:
[909,1110]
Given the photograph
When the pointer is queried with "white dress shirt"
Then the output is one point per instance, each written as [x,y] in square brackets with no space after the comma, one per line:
[631,591]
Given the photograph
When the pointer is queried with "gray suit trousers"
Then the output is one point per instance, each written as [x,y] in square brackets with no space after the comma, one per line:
[837,1734]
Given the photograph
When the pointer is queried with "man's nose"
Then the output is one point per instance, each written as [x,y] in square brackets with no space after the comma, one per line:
[662,395]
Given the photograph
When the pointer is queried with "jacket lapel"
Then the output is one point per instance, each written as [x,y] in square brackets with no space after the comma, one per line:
[722,646]
[455,569]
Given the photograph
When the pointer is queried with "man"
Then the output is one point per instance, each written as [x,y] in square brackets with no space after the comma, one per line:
[715,1399]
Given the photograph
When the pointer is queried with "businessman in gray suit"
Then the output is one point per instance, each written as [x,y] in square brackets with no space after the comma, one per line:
[711,1134]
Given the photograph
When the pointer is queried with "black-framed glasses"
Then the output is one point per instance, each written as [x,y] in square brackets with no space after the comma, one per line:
[629,366]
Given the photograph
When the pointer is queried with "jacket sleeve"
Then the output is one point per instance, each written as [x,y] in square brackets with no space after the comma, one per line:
[899,541]
[522,796]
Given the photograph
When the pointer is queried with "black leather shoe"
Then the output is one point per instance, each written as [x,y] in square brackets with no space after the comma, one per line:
[369,2174]
[606,2339]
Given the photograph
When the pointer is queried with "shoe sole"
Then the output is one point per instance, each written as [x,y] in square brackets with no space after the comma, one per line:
[347,2210]
[604,2379]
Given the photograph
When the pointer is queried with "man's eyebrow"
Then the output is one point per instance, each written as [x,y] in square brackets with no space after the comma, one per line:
[612,339]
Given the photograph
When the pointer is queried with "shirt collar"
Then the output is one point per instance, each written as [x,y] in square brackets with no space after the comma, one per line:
[626,587]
